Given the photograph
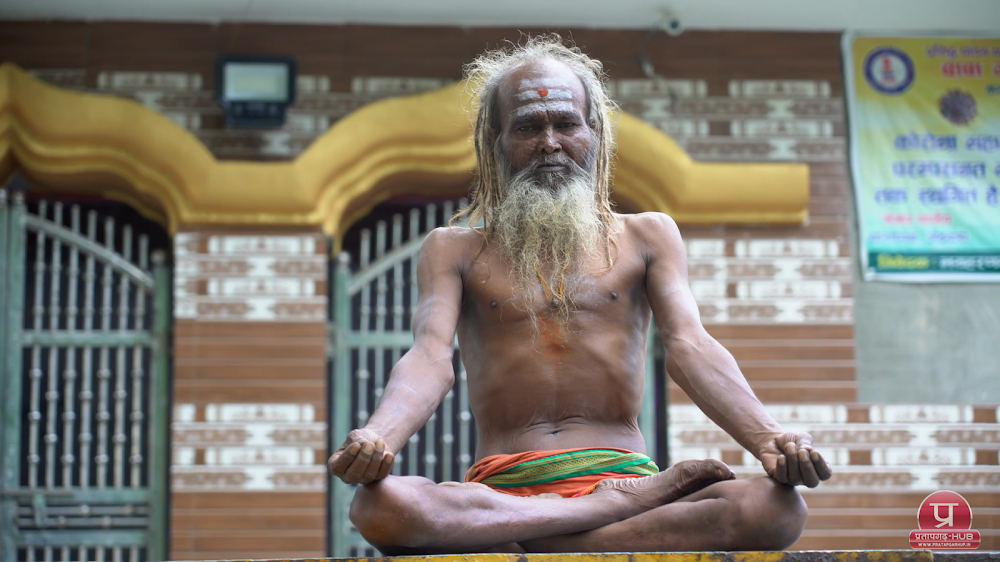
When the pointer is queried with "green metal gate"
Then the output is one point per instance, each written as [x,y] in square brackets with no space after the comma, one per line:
[370,330]
[84,381]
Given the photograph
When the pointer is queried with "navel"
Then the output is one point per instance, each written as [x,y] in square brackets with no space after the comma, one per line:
[614,296]
[493,304]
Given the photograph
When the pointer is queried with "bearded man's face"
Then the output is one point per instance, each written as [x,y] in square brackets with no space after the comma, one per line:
[542,108]
[547,219]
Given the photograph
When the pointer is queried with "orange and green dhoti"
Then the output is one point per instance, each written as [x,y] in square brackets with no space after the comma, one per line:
[568,472]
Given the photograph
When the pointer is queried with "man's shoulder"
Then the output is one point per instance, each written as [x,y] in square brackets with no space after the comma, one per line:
[451,235]
[649,227]
[455,241]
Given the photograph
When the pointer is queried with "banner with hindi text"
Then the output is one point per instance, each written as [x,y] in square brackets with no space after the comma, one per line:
[924,134]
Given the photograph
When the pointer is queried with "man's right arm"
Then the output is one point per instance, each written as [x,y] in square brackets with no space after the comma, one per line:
[422,377]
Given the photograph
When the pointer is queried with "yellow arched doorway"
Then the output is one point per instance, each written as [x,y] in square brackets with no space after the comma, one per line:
[420,143]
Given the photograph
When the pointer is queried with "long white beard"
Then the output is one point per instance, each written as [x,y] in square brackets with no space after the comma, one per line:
[548,224]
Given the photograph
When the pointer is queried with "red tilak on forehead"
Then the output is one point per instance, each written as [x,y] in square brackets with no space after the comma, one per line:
[543,93]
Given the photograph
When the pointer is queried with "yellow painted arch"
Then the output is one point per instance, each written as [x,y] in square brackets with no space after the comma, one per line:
[77,140]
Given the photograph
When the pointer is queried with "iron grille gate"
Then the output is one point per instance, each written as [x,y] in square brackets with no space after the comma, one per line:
[84,378]
[370,330]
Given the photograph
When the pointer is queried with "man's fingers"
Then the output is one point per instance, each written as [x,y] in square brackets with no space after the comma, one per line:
[781,470]
[374,464]
[823,469]
[342,460]
[387,461]
[360,464]
[792,462]
[770,465]
[806,469]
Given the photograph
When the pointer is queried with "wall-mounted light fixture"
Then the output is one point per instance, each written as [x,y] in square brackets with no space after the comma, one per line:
[254,91]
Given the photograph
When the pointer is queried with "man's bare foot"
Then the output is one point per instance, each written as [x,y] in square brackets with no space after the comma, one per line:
[682,479]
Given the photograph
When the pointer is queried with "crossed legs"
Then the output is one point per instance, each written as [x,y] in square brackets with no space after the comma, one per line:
[757,514]
[692,506]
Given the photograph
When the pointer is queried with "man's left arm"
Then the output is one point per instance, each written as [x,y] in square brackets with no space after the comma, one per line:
[707,372]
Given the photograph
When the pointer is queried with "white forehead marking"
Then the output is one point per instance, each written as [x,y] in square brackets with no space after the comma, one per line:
[543,106]
[549,95]
[544,83]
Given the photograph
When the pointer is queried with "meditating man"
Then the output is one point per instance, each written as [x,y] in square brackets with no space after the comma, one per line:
[551,296]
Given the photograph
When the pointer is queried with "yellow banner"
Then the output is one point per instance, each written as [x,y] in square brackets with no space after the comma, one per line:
[924,133]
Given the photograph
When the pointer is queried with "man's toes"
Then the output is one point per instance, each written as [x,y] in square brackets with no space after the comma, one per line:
[693,475]
[718,470]
[707,471]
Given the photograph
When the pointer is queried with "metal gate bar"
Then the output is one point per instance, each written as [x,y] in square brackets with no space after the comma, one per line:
[13,252]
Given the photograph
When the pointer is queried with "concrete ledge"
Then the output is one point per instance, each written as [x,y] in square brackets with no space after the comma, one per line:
[794,556]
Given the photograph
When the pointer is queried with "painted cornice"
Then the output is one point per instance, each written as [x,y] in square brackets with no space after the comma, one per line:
[69,138]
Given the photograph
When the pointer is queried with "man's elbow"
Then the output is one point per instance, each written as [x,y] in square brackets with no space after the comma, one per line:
[440,355]
[688,341]
[438,359]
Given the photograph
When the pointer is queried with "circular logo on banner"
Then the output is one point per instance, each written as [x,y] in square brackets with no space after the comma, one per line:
[889,70]
[944,511]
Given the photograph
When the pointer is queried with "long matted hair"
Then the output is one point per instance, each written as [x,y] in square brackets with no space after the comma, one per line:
[484,76]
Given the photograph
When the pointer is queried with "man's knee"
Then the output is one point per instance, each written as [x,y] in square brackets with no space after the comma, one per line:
[390,513]
[773,516]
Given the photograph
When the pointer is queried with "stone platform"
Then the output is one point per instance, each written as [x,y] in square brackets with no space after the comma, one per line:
[790,556]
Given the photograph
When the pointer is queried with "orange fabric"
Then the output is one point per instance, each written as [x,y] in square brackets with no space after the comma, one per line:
[568,488]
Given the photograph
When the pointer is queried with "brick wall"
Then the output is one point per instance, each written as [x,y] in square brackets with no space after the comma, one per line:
[248,476]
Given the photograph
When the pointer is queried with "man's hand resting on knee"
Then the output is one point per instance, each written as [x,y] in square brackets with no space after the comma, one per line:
[362,459]
[790,459]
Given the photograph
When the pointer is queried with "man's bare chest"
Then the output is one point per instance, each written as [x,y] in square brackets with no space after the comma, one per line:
[597,288]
